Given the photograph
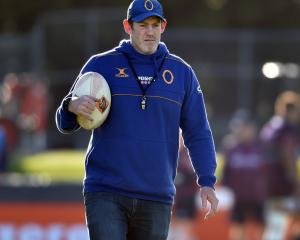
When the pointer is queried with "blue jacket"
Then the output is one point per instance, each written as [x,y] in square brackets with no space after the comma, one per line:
[134,153]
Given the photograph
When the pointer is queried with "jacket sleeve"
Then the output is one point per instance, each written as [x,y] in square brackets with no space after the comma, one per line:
[196,132]
[65,120]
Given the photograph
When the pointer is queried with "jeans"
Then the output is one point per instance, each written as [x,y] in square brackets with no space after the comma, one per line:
[114,217]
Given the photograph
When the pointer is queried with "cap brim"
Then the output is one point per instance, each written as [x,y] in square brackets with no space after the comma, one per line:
[144,16]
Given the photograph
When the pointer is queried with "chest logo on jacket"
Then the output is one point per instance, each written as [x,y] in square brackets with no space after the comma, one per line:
[121,73]
[168,77]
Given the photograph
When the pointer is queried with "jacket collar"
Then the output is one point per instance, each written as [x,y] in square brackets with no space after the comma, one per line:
[136,57]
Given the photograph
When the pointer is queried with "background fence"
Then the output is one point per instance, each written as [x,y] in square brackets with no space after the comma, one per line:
[228,62]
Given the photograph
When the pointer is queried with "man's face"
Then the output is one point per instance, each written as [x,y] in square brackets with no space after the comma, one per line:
[145,36]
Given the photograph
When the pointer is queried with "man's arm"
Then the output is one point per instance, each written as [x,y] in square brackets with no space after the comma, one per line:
[199,141]
[65,120]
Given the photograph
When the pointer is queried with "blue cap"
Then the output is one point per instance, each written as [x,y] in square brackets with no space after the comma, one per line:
[139,10]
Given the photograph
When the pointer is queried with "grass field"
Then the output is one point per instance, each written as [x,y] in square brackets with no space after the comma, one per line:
[68,165]
[59,165]
[62,165]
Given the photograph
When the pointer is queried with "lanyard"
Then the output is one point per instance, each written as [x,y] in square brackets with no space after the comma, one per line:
[144,89]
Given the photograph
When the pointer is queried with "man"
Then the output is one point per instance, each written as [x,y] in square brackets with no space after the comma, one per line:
[132,158]
[244,158]
[281,141]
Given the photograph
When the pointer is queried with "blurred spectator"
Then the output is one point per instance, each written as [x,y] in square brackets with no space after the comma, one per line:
[32,119]
[10,96]
[183,222]
[281,140]
[244,174]
[9,107]
[24,109]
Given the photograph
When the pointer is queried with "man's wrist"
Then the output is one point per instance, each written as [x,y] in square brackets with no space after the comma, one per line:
[211,187]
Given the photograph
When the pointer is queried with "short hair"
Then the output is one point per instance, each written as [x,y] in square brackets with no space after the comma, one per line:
[286,102]
[131,22]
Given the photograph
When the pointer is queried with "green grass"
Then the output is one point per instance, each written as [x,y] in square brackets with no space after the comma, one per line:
[68,165]
[62,165]
[220,165]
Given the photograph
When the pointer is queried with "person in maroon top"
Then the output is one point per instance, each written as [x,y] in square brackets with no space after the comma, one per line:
[183,224]
[280,137]
[186,187]
[244,174]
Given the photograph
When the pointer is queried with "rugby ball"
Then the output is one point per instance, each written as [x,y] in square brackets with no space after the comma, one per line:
[95,85]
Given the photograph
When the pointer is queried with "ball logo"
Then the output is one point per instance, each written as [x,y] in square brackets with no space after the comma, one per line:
[168,77]
[149,5]
[102,104]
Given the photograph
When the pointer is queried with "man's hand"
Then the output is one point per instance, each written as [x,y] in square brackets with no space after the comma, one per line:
[83,106]
[208,194]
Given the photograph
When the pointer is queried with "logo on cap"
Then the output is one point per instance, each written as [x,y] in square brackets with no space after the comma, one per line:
[149,5]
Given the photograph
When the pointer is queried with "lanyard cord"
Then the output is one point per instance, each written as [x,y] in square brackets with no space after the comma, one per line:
[144,89]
